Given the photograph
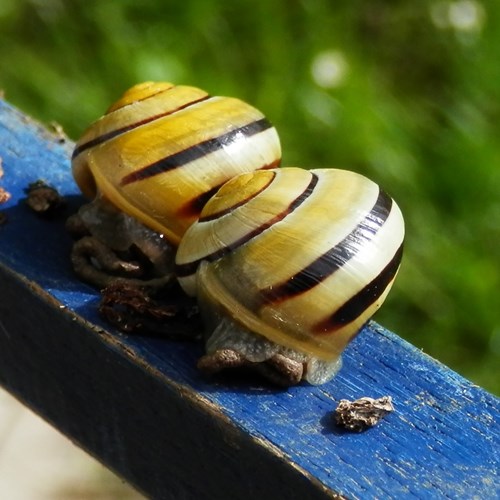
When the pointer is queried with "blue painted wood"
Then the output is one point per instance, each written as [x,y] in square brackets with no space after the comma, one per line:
[442,440]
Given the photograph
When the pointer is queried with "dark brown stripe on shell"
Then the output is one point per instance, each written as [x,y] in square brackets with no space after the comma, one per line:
[195,152]
[189,268]
[195,206]
[239,204]
[145,98]
[115,133]
[332,260]
[357,304]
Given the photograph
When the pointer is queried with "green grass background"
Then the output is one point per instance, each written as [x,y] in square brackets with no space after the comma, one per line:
[410,96]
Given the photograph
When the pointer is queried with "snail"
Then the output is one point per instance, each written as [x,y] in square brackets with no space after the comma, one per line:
[287,266]
[150,164]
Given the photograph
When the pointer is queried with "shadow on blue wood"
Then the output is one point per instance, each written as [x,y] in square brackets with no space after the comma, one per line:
[140,406]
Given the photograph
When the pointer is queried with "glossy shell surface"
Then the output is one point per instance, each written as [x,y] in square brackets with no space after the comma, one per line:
[303,258]
[162,150]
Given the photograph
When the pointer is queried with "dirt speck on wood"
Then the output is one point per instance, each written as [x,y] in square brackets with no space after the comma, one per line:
[44,199]
[4,196]
[362,413]
[166,313]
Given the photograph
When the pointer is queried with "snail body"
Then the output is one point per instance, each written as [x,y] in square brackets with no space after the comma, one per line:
[162,150]
[298,259]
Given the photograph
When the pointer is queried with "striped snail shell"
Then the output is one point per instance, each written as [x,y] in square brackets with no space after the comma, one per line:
[162,150]
[298,259]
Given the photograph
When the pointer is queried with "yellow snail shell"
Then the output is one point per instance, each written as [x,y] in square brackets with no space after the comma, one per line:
[300,258]
[161,151]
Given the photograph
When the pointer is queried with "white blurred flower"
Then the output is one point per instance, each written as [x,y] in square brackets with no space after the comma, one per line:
[329,68]
[466,15]
[462,15]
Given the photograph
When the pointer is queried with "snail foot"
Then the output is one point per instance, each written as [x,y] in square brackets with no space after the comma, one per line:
[279,369]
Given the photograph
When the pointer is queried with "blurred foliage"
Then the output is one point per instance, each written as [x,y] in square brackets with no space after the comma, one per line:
[407,93]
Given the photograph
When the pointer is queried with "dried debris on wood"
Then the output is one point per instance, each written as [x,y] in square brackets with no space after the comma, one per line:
[362,413]
[44,199]
[58,131]
[4,197]
[167,313]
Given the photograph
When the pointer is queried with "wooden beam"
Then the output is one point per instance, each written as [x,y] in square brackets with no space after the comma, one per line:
[139,405]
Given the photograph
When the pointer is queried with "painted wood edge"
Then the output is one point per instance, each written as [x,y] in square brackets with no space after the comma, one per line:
[204,451]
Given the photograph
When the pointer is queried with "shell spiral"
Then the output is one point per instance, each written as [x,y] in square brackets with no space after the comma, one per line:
[161,151]
[303,258]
